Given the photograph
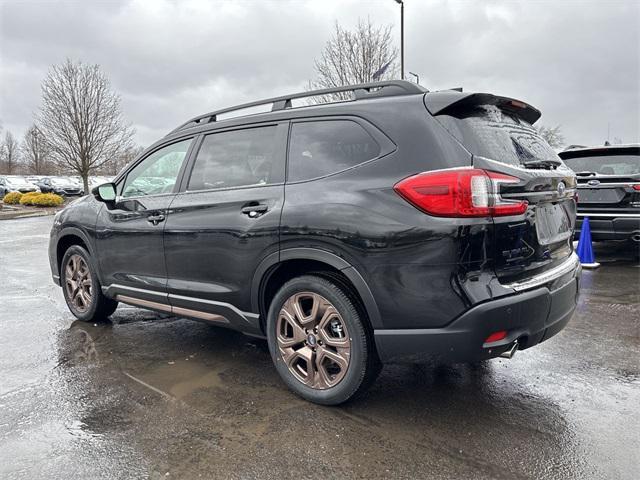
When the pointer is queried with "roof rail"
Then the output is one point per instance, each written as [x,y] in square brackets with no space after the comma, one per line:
[364,90]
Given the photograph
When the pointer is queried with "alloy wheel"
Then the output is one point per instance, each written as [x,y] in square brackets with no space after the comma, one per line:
[78,283]
[313,340]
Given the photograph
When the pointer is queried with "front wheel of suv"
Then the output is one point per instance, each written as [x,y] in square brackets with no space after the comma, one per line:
[319,342]
[81,287]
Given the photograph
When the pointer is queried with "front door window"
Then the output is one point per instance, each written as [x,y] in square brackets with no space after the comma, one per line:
[157,173]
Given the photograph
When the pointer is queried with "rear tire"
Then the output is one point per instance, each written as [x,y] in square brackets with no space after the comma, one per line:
[81,287]
[319,341]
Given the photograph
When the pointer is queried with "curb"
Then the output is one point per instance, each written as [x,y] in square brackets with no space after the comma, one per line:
[21,214]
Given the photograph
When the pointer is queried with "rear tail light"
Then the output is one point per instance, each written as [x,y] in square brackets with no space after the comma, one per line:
[467,192]
[636,186]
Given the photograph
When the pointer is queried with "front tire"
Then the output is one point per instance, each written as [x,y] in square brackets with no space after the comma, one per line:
[81,287]
[319,342]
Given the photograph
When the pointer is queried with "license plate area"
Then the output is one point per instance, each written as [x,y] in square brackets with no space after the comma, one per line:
[552,224]
[600,195]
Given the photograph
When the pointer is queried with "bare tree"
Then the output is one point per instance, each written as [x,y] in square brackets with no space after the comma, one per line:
[81,118]
[359,56]
[9,153]
[35,151]
[553,135]
[124,159]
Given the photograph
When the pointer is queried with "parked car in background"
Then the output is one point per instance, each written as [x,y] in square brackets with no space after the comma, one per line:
[402,225]
[16,183]
[98,180]
[65,186]
[608,190]
[35,179]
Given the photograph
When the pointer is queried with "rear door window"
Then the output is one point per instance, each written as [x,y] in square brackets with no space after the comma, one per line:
[239,158]
[319,148]
[490,132]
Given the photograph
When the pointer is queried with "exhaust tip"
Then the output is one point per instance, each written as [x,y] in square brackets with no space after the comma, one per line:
[511,352]
[635,236]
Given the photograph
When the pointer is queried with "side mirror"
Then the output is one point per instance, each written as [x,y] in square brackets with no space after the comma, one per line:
[105,193]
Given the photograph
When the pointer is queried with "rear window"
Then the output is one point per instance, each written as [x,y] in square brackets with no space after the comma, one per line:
[606,165]
[490,132]
[320,148]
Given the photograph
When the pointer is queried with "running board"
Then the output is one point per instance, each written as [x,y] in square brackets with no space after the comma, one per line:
[183,312]
[219,313]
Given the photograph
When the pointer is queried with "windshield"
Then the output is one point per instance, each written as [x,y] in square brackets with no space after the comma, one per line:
[17,180]
[621,165]
[490,132]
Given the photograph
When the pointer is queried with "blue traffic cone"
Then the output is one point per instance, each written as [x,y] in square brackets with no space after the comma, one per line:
[585,249]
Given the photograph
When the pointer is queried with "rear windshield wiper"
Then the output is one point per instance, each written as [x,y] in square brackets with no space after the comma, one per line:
[548,164]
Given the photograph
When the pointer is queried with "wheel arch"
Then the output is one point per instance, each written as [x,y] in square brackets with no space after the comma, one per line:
[72,236]
[306,260]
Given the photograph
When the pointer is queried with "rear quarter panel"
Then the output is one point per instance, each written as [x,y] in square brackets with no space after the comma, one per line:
[423,271]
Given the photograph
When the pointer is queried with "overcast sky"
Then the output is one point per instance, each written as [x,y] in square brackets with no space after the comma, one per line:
[576,60]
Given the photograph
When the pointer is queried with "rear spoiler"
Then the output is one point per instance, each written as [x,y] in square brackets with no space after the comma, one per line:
[449,102]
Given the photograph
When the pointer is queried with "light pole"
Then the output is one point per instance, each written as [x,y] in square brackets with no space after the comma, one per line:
[417,77]
[401,38]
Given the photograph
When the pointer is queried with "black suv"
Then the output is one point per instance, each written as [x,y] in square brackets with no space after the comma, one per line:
[403,224]
[609,190]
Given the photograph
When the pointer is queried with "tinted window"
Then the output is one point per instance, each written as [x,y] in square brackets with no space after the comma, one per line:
[606,164]
[324,147]
[238,158]
[158,172]
[492,133]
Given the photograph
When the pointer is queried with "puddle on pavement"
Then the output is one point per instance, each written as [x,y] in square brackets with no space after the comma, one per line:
[174,373]
[181,378]
[79,429]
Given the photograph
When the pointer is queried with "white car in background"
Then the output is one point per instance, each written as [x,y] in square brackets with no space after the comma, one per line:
[16,183]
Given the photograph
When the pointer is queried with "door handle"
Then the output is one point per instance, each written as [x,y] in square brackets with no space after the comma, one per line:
[155,219]
[254,211]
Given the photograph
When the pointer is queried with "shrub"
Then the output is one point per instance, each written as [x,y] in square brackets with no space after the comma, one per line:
[27,198]
[48,200]
[41,199]
[12,198]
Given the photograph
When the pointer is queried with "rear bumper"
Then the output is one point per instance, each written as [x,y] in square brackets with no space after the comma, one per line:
[610,226]
[530,317]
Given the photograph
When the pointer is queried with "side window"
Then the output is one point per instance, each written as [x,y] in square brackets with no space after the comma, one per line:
[238,158]
[158,172]
[322,147]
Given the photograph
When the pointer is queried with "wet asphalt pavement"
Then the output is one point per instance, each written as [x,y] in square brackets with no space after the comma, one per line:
[153,396]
